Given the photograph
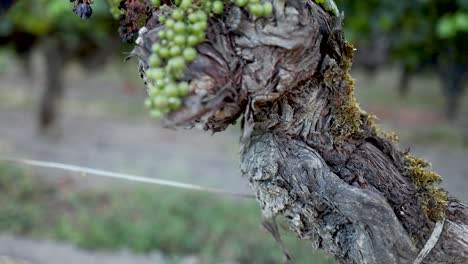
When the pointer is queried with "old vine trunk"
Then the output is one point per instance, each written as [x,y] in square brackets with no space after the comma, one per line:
[310,153]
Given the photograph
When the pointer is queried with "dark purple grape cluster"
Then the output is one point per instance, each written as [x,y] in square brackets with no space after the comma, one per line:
[133,13]
[82,8]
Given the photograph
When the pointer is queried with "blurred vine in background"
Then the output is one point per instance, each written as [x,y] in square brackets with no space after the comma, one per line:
[420,35]
[45,17]
[420,29]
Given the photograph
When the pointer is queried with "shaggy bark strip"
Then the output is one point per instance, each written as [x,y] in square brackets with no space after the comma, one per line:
[308,151]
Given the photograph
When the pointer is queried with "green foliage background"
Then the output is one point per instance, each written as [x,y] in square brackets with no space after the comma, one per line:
[419,29]
[45,17]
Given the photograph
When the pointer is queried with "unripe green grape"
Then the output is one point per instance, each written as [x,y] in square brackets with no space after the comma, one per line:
[154,60]
[179,27]
[217,7]
[176,63]
[256,9]
[170,34]
[179,40]
[254,1]
[192,40]
[155,73]
[170,23]
[178,14]
[190,54]
[164,52]
[267,8]
[162,19]
[241,3]
[156,114]
[174,103]
[186,4]
[175,50]
[154,91]
[160,101]
[207,7]
[160,84]
[201,36]
[201,16]
[162,34]
[183,88]
[148,103]
[171,90]
[192,17]
[156,48]
[199,27]
[156,2]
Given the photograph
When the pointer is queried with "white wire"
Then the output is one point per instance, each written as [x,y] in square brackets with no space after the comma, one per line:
[123,176]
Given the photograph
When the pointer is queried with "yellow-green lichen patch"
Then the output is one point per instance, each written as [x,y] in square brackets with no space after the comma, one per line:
[433,200]
[348,116]
[392,136]
[370,122]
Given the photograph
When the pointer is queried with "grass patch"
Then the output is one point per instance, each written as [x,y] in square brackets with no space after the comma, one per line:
[142,219]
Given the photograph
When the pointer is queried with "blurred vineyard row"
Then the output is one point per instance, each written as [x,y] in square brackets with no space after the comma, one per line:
[53,30]
[420,36]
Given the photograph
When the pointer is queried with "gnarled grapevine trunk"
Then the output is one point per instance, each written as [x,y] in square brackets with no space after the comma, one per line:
[307,149]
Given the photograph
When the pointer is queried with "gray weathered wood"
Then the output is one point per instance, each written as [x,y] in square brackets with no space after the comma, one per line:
[309,153]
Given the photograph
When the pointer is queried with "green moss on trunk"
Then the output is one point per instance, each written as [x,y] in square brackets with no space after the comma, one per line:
[433,199]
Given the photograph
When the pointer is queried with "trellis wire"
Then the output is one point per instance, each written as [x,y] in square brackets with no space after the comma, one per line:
[123,176]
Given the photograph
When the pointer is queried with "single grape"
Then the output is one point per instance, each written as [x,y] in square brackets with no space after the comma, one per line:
[156,114]
[170,23]
[170,34]
[174,103]
[164,52]
[183,88]
[156,48]
[218,7]
[154,91]
[175,50]
[192,40]
[179,40]
[178,14]
[148,103]
[256,9]
[160,101]
[155,73]
[179,27]
[190,54]
[267,8]
[176,63]
[186,4]
[171,90]
[154,60]
[162,19]
[241,3]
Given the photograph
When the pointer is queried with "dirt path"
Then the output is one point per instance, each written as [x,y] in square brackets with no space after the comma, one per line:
[15,250]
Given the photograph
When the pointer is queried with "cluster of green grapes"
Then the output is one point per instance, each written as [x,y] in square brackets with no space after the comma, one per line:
[184,28]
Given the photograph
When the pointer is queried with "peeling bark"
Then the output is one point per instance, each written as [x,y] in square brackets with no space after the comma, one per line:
[308,151]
